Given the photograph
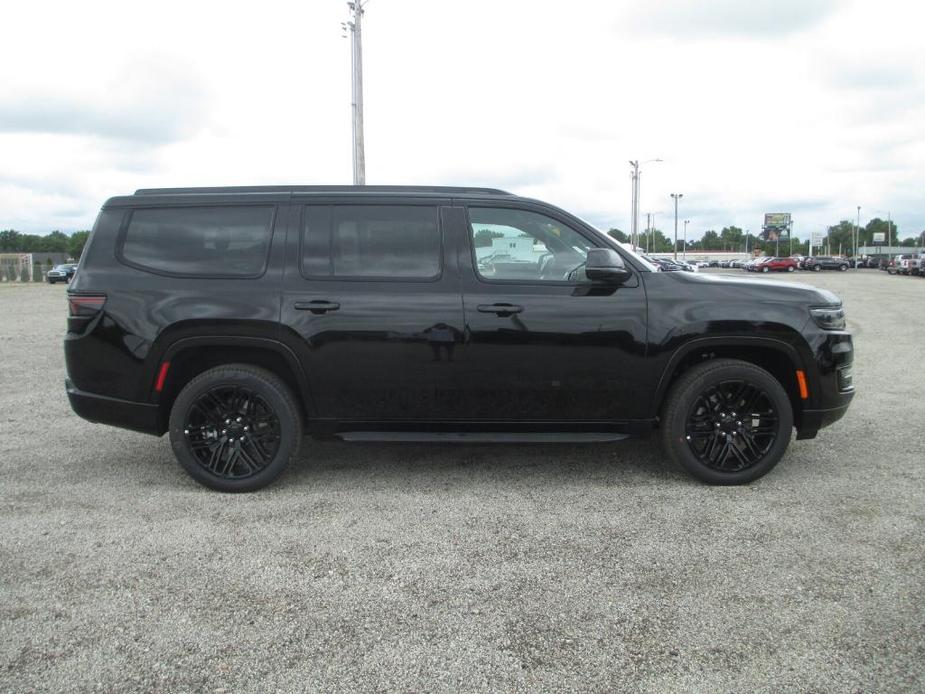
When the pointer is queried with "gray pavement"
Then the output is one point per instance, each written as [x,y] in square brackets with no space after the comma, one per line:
[466,568]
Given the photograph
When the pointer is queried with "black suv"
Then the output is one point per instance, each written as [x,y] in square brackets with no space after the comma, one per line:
[234,319]
[825,262]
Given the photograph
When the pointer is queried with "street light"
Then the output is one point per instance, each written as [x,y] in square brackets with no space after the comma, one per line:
[686,222]
[676,197]
[634,224]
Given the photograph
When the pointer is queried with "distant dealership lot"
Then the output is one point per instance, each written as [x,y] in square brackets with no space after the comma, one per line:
[589,567]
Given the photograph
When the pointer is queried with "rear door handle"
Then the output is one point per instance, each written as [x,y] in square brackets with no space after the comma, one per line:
[503,310]
[316,306]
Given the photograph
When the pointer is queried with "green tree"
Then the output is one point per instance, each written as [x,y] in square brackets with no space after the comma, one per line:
[76,243]
[483,237]
[10,240]
[711,241]
[874,226]
[618,235]
[732,238]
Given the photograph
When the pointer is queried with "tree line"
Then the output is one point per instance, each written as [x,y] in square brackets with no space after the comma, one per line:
[12,241]
[733,238]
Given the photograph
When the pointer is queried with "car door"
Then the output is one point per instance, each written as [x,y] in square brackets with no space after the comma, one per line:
[372,301]
[542,343]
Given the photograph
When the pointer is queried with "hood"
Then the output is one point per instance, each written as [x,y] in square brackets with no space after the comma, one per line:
[762,289]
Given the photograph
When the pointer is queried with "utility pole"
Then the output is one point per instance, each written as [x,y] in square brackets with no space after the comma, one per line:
[648,229]
[634,223]
[356,68]
[676,197]
[856,229]
[686,222]
[634,204]
[790,234]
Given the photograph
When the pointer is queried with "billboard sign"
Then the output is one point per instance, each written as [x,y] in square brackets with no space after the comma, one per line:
[818,238]
[776,226]
[879,237]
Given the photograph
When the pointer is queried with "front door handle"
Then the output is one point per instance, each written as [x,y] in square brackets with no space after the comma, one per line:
[503,310]
[317,307]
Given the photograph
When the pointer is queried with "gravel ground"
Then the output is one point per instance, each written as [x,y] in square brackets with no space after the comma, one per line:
[464,568]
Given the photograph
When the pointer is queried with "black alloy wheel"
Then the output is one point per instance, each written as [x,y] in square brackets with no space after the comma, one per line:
[234,428]
[726,421]
[232,431]
[731,425]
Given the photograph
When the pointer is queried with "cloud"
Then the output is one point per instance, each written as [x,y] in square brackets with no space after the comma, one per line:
[149,102]
[683,19]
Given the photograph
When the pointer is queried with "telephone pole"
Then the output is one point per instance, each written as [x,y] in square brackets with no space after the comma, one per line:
[686,222]
[356,69]
[676,196]
[634,223]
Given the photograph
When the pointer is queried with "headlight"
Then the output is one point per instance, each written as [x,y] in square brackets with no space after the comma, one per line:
[831,318]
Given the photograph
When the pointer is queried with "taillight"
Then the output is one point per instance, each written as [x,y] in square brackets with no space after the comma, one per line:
[81,310]
[85,306]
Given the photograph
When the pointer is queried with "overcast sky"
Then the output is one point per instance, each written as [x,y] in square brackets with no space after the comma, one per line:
[804,106]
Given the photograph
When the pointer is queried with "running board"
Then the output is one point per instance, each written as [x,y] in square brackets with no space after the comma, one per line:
[481,437]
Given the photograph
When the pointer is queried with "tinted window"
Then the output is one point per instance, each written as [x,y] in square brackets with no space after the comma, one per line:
[371,241]
[519,245]
[202,241]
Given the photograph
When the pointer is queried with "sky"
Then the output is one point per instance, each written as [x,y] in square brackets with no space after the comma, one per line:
[812,107]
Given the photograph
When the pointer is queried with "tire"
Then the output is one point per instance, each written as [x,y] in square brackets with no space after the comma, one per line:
[214,426]
[50,281]
[790,268]
[817,268]
[842,268]
[745,451]
[764,269]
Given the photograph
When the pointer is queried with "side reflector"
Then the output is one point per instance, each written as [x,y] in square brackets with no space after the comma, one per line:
[801,381]
[161,377]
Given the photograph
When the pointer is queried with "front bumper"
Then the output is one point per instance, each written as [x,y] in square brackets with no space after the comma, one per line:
[138,416]
[831,382]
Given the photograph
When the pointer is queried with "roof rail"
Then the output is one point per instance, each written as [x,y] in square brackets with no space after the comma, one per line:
[446,190]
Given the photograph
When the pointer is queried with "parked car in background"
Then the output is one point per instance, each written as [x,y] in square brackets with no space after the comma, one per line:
[752,264]
[909,264]
[61,273]
[825,262]
[777,265]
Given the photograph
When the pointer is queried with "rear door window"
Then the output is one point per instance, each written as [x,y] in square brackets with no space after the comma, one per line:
[373,242]
[228,241]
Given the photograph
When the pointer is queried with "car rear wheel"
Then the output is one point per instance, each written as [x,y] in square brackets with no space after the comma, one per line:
[726,422]
[816,268]
[842,268]
[790,268]
[765,268]
[234,428]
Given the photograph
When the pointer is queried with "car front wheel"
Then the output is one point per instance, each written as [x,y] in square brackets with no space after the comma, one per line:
[726,421]
[816,268]
[842,268]
[234,428]
[790,268]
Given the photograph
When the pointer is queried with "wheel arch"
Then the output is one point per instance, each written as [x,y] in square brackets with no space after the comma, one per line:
[777,357]
[191,356]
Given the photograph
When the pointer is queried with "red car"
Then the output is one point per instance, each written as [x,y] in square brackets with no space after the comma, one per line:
[778,264]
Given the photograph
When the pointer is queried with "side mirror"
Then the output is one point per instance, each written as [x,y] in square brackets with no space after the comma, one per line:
[606,265]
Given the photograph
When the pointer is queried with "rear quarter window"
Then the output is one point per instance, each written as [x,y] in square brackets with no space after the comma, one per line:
[227,241]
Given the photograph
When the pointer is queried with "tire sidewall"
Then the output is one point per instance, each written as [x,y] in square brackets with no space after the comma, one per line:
[273,393]
[681,399]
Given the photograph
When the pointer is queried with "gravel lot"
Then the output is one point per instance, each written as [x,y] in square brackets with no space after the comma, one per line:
[419,567]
